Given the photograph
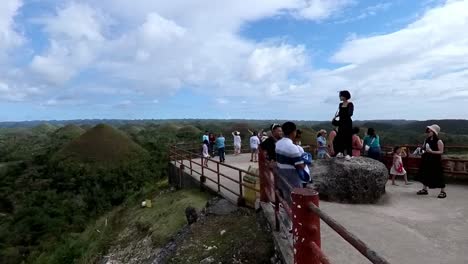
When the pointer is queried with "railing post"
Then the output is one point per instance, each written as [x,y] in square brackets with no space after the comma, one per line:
[306,226]
[217,170]
[262,171]
[181,175]
[240,200]
[191,170]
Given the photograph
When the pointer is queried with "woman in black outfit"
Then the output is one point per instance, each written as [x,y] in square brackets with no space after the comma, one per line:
[344,138]
[431,173]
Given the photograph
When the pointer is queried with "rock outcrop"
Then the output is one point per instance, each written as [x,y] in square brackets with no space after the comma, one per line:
[359,180]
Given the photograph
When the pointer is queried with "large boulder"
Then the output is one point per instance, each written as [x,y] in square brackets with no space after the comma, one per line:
[359,180]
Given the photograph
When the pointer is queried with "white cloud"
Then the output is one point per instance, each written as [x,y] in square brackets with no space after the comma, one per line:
[9,37]
[266,63]
[75,36]
[321,9]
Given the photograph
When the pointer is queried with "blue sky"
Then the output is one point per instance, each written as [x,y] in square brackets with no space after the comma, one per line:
[262,59]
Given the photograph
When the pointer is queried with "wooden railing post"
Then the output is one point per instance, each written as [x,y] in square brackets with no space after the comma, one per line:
[217,170]
[181,175]
[241,199]
[306,226]
[190,158]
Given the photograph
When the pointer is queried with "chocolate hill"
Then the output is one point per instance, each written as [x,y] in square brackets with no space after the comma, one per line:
[102,144]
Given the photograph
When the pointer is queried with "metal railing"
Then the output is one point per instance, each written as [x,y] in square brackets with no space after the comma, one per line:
[192,163]
[304,213]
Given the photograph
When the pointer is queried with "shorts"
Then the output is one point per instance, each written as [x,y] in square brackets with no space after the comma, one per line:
[254,150]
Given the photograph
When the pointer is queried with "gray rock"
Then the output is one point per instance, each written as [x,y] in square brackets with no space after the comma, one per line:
[221,207]
[191,215]
[360,180]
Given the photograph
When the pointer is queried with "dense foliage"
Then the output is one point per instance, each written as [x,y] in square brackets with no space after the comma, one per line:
[55,179]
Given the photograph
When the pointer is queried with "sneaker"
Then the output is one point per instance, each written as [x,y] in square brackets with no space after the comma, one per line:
[340,155]
[348,158]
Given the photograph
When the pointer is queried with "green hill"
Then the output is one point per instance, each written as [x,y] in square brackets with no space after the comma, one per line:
[69,132]
[43,128]
[101,144]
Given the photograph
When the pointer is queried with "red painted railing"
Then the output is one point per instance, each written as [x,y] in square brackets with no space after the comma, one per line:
[305,215]
[192,163]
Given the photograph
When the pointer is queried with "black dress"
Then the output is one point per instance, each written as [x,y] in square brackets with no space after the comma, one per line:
[431,173]
[344,137]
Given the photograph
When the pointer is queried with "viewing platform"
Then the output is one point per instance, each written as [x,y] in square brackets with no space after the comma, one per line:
[402,227]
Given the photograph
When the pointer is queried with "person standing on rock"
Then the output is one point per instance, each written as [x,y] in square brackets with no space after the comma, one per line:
[344,137]
[372,144]
[358,144]
[269,144]
[289,161]
[331,142]
[431,173]
[220,141]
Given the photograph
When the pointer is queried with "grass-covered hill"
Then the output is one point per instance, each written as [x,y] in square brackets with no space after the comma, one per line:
[101,144]
[70,131]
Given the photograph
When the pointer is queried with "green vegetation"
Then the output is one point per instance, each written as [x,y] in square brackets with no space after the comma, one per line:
[242,241]
[125,225]
[60,181]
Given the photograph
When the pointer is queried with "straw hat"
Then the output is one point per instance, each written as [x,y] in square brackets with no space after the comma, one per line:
[434,128]
[322,131]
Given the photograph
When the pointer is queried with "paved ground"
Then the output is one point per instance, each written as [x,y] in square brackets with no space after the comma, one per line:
[404,228]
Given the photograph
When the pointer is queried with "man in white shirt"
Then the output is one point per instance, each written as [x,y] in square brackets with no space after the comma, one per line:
[254,142]
[289,161]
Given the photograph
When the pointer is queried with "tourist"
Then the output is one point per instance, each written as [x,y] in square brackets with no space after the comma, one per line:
[264,136]
[212,140]
[322,149]
[372,144]
[297,139]
[254,143]
[289,161]
[205,153]
[358,143]
[237,142]
[331,142]
[269,144]
[205,136]
[344,137]
[220,141]
[308,156]
[431,172]
[397,166]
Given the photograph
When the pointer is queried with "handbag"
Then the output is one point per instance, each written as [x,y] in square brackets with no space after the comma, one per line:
[367,147]
[336,120]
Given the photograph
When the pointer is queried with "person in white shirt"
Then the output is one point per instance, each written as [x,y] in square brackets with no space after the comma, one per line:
[254,142]
[237,142]
[289,161]
[205,153]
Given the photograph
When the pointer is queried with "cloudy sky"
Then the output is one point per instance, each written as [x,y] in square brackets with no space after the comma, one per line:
[258,59]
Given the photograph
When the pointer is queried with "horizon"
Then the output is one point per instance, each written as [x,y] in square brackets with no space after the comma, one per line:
[228,120]
[265,60]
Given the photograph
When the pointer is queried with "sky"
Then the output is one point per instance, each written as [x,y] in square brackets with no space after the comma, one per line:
[231,59]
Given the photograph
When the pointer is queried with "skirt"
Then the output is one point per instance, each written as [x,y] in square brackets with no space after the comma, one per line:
[431,172]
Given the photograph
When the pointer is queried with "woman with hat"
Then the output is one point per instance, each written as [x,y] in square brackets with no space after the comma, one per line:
[431,172]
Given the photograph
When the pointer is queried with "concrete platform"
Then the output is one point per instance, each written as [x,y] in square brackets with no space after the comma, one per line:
[403,227]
